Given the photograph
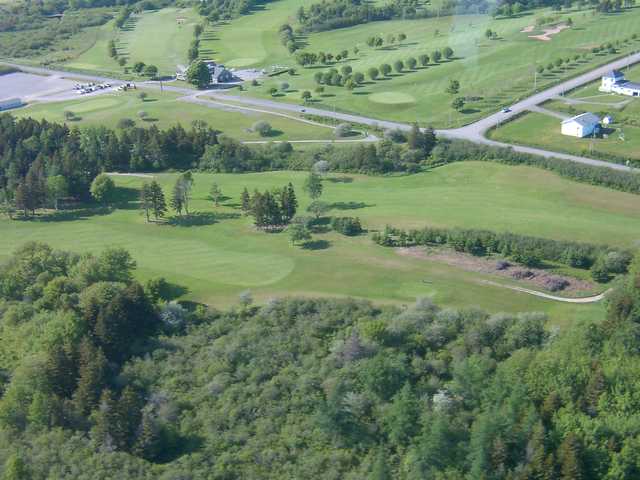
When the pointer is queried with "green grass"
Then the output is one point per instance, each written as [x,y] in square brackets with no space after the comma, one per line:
[218,261]
[153,37]
[498,71]
[165,110]
[544,131]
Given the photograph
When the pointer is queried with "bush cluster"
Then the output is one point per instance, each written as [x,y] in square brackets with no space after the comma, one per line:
[347,225]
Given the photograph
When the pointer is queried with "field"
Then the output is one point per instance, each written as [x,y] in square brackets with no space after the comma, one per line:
[153,37]
[225,256]
[164,110]
[623,137]
[495,71]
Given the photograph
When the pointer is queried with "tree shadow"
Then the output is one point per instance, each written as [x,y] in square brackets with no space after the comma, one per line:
[316,245]
[70,215]
[467,111]
[342,179]
[350,205]
[198,219]
[126,198]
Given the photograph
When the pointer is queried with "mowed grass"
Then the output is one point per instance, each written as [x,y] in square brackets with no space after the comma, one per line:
[153,37]
[227,256]
[544,131]
[497,72]
[164,110]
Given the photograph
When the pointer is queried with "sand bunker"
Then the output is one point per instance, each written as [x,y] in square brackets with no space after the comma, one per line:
[528,29]
[548,32]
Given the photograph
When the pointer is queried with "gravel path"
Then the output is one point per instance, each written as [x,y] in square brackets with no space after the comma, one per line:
[592,299]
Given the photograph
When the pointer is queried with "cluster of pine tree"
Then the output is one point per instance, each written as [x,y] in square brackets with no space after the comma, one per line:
[271,209]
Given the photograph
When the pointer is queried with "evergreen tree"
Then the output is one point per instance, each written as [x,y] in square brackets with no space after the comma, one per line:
[569,456]
[60,371]
[105,428]
[145,199]
[158,204]
[147,440]
[381,470]
[129,415]
[215,194]
[177,197]
[92,374]
[245,201]
[288,203]
[15,469]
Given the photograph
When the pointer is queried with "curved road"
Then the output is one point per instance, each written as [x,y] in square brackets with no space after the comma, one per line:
[474,132]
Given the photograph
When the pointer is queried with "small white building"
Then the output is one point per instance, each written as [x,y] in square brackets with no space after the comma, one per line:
[581,125]
[614,82]
[9,103]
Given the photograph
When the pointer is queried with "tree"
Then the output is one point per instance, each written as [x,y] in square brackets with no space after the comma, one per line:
[458,103]
[57,187]
[411,63]
[138,67]
[157,201]
[103,189]
[122,61]
[358,77]
[373,73]
[262,127]
[385,68]
[142,114]
[454,87]
[402,37]
[298,232]
[436,56]
[69,115]
[92,372]
[284,86]
[424,59]
[145,199]
[215,193]
[142,96]
[306,95]
[343,130]
[380,470]
[111,49]
[402,417]
[540,69]
[318,208]
[147,442]
[198,74]
[15,469]
[346,70]
[151,71]
[288,203]
[313,186]
[569,456]
[398,66]
[447,52]
[245,201]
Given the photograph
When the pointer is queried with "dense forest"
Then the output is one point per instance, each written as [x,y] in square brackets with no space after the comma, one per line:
[104,378]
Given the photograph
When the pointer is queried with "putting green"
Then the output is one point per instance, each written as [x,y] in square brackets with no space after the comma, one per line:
[242,62]
[392,98]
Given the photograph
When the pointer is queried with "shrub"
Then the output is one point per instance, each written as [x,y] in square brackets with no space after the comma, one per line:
[395,135]
[555,284]
[347,225]
[343,130]
[502,265]
[261,127]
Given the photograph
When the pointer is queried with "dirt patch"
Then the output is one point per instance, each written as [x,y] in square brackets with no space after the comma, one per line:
[547,33]
[528,29]
[536,277]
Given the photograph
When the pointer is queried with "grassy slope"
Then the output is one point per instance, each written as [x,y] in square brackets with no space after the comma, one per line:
[165,110]
[152,37]
[500,71]
[218,261]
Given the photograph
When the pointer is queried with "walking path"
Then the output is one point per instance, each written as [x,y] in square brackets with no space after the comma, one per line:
[551,113]
[591,299]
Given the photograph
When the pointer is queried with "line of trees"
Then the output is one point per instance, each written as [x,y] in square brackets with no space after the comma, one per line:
[323,58]
[603,260]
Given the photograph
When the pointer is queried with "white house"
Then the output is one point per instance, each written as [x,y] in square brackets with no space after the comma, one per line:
[614,82]
[8,103]
[581,125]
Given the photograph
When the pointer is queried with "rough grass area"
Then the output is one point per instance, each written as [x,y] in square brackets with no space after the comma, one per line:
[164,109]
[153,37]
[493,72]
[224,255]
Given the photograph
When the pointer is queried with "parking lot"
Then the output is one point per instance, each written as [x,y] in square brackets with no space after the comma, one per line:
[28,86]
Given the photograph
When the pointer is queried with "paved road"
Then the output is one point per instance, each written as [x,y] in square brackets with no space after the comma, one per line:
[474,132]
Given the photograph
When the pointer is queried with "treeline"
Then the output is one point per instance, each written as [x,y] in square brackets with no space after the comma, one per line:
[32,152]
[449,151]
[216,10]
[603,260]
[332,14]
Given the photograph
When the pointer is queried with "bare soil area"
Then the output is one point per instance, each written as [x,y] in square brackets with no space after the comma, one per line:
[535,277]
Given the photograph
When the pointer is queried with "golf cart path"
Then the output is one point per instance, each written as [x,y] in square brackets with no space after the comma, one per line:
[474,132]
[591,299]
